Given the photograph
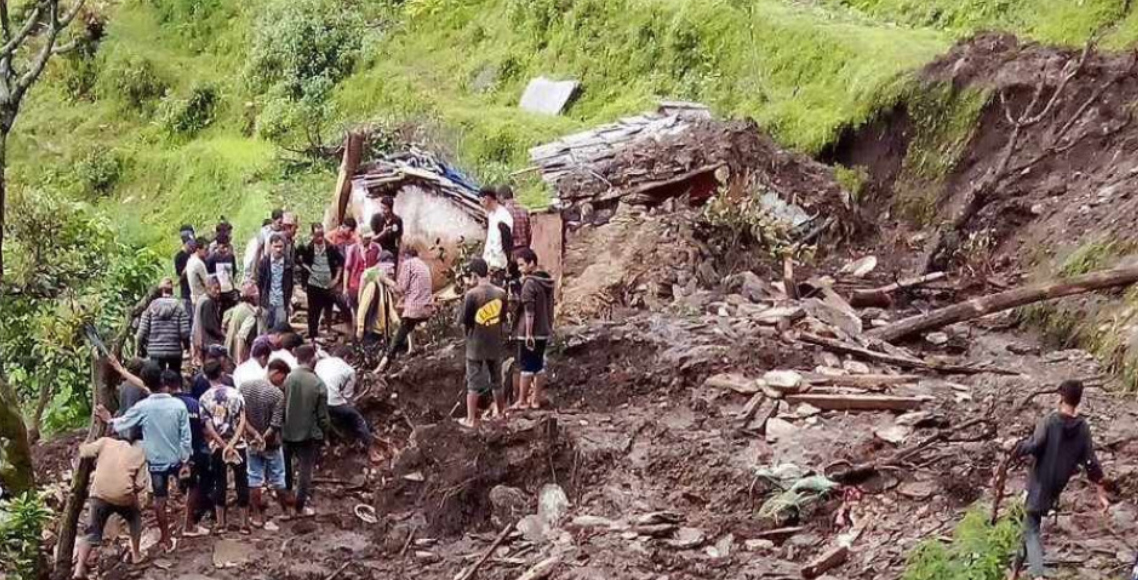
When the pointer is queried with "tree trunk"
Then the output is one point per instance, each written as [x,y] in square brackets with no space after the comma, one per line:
[16,474]
[978,307]
[3,194]
[80,480]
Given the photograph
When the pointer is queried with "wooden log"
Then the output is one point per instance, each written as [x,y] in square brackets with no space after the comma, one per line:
[829,402]
[897,361]
[998,302]
[880,296]
[473,569]
[861,381]
[829,560]
[542,569]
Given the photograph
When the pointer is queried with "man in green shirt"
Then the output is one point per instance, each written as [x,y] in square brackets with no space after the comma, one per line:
[305,423]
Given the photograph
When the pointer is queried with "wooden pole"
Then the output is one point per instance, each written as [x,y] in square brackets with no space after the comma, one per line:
[1014,298]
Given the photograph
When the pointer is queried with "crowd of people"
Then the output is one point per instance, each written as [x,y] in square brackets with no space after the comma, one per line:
[258,400]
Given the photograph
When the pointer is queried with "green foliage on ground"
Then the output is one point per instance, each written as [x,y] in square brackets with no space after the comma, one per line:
[978,551]
[22,520]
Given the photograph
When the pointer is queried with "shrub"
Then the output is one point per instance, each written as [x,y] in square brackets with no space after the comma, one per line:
[187,116]
[301,49]
[979,551]
[22,520]
[134,81]
[98,172]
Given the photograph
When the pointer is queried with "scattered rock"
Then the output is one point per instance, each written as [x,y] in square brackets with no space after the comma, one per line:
[779,429]
[918,490]
[663,517]
[806,410]
[734,382]
[937,338]
[914,418]
[508,505]
[895,434]
[783,381]
[553,504]
[532,529]
[427,557]
[687,538]
[854,367]
[859,268]
[593,522]
[759,545]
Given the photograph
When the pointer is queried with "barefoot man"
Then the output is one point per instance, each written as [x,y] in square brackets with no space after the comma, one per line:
[120,476]
[482,313]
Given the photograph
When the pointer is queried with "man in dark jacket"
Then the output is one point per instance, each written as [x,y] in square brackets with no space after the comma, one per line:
[322,267]
[207,330]
[533,329]
[1060,445]
[306,420]
[388,227]
[275,282]
[164,330]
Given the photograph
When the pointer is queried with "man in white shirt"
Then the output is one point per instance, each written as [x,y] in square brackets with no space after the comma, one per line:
[287,351]
[340,379]
[254,368]
[197,273]
[499,232]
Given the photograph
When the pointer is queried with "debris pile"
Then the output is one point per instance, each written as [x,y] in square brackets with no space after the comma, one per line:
[419,168]
[680,151]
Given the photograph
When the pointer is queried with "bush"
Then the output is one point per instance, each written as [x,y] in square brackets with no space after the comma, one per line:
[21,528]
[134,81]
[301,49]
[978,551]
[187,116]
[67,270]
[98,172]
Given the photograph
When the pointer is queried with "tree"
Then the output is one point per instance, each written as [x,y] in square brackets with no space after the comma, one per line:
[16,476]
[23,57]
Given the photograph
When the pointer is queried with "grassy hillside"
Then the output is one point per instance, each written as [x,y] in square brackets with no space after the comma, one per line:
[112,129]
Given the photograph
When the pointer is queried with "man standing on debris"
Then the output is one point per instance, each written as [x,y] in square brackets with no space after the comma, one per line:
[340,379]
[264,412]
[275,282]
[533,329]
[164,329]
[414,285]
[483,311]
[305,423]
[166,439]
[323,268]
[499,234]
[223,415]
[119,478]
[1060,445]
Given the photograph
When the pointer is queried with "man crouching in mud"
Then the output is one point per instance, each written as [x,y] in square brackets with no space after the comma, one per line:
[1060,445]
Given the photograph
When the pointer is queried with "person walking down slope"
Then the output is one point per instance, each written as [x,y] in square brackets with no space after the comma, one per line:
[164,329]
[306,422]
[120,477]
[414,285]
[1060,445]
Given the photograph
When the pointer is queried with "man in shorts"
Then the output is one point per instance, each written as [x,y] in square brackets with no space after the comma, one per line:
[482,313]
[264,415]
[533,329]
[120,476]
[166,440]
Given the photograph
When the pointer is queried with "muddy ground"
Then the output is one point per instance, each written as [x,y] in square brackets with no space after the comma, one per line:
[634,431]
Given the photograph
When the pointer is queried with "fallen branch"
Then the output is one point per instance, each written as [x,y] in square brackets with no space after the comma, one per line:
[880,296]
[897,361]
[862,471]
[473,569]
[827,561]
[828,402]
[985,305]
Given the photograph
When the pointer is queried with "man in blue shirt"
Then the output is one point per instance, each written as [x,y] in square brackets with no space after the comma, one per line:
[166,439]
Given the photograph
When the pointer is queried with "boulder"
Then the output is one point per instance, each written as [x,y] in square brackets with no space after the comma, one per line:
[508,504]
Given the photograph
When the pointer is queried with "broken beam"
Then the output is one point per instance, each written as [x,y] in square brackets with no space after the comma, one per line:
[897,361]
[880,296]
[985,305]
[828,402]
[827,561]
[861,381]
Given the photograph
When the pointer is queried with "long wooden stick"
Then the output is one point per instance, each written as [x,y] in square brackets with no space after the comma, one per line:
[978,307]
[897,361]
[472,570]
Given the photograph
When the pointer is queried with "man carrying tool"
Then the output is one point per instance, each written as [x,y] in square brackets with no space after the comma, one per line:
[1060,445]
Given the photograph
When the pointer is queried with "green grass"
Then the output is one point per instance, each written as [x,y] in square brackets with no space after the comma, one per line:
[978,551]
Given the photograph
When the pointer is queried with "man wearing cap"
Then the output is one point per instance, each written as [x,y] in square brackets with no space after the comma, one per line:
[240,324]
[164,329]
[499,233]
[288,229]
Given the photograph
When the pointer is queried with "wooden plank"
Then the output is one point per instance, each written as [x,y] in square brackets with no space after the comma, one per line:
[830,402]
[548,242]
[861,381]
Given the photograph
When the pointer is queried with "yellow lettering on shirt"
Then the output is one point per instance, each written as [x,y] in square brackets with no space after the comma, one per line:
[490,313]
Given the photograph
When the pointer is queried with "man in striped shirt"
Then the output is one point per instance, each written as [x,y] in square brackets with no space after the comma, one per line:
[264,415]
